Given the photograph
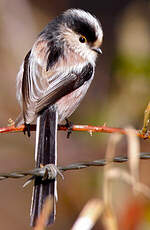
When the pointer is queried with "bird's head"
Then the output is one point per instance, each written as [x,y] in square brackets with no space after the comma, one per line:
[74,30]
[82,33]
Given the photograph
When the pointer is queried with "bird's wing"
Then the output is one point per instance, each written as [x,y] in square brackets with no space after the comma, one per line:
[41,88]
[63,84]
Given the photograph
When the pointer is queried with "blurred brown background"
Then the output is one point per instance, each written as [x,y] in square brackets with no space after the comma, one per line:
[118,96]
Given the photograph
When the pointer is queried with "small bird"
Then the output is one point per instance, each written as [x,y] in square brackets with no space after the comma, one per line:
[53,79]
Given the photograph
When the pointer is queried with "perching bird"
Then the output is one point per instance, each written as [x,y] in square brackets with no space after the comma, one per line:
[53,79]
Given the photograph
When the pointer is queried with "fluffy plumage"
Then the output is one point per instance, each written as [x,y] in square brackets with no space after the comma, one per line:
[56,73]
[56,54]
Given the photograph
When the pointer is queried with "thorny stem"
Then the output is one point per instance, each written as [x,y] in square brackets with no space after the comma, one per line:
[88,128]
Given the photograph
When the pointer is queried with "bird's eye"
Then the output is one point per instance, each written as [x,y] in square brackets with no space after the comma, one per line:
[82,39]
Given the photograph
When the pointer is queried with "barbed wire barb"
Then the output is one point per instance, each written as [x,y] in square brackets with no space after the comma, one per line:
[50,173]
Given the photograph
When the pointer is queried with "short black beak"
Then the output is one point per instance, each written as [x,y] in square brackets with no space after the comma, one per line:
[97,50]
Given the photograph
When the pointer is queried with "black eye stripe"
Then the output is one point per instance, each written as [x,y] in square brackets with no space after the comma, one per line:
[86,30]
[78,24]
[81,26]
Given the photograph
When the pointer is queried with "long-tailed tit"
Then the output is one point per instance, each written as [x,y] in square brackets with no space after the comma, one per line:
[53,79]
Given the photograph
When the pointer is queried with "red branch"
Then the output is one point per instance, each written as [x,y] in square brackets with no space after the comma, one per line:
[88,128]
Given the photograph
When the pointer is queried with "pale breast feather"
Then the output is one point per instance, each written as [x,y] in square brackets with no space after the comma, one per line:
[38,97]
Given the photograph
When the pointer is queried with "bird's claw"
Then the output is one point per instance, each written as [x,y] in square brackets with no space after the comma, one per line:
[27,130]
[69,126]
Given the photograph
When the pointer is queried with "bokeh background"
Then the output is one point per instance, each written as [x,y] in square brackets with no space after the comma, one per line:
[117,97]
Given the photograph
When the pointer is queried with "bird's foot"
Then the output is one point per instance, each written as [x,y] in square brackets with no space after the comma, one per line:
[69,126]
[27,129]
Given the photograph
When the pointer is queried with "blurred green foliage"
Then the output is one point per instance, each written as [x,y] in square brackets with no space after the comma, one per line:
[127,66]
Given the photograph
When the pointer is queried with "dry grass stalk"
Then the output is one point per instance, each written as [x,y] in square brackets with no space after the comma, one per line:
[45,213]
[89,215]
[110,153]
[109,218]
[133,153]
[129,179]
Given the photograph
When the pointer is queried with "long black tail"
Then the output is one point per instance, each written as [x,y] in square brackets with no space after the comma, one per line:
[45,153]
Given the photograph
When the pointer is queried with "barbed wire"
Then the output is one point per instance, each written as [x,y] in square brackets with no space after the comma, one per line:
[50,171]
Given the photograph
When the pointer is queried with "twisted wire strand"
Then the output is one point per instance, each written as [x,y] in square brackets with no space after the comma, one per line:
[50,171]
